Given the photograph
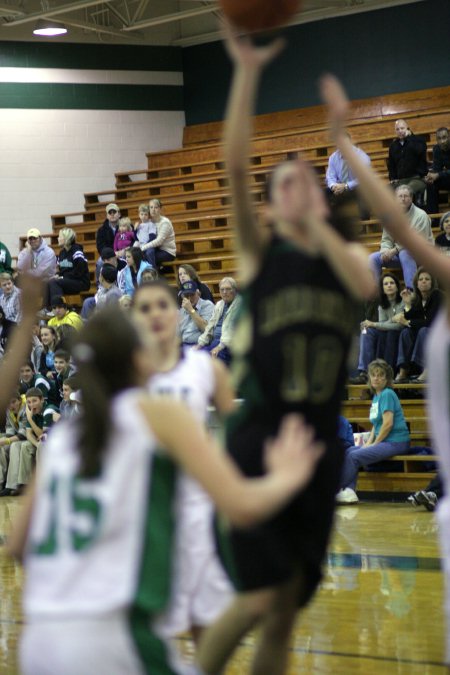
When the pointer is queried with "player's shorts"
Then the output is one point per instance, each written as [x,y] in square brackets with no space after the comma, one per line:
[295,540]
[201,589]
[93,647]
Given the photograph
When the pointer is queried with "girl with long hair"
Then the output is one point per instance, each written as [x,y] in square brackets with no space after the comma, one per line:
[97,527]
[201,589]
[421,308]
[379,339]
[300,280]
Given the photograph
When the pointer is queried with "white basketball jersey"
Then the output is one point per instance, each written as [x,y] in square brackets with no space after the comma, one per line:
[95,545]
[191,381]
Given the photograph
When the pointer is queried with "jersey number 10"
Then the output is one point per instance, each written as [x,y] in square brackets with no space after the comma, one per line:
[311,368]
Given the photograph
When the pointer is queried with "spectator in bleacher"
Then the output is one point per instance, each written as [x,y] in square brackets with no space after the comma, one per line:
[49,340]
[68,407]
[407,162]
[66,335]
[144,229]
[438,177]
[63,370]
[5,328]
[39,415]
[392,254]
[124,237]
[340,179]
[5,259]
[379,339]
[63,315]
[188,273]
[389,435]
[125,302]
[218,334]
[149,275]
[130,277]
[195,313]
[37,258]
[421,308]
[73,269]
[10,301]
[108,292]
[443,240]
[163,247]
[14,431]
[104,237]
[28,379]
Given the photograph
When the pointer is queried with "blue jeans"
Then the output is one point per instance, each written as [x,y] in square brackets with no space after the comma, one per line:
[356,457]
[378,344]
[403,260]
[411,348]
[156,256]
[224,354]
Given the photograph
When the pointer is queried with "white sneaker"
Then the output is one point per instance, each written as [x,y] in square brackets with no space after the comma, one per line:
[347,496]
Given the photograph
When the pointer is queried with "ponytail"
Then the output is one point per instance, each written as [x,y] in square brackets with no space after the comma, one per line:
[95,422]
[104,353]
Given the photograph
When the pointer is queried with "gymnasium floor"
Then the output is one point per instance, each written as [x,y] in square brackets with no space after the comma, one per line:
[379,610]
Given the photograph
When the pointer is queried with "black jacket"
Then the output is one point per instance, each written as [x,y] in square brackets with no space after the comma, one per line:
[73,265]
[105,236]
[422,316]
[409,159]
[441,161]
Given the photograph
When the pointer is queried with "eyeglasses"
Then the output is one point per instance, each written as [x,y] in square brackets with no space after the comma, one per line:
[112,212]
[33,238]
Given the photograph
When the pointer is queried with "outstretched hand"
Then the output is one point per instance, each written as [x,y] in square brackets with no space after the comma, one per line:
[243,52]
[294,452]
[333,95]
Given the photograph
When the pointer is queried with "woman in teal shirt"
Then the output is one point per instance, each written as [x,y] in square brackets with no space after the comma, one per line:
[389,435]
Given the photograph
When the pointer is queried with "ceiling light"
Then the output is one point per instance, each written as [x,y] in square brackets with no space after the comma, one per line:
[49,28]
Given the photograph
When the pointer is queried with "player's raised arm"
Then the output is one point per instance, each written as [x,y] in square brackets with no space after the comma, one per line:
[19,343]
[249,62]
[378,195]
[291,458]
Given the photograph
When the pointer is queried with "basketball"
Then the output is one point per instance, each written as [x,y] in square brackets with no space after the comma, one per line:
[259,15]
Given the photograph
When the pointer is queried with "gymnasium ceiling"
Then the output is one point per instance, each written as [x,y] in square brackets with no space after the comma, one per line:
[148,22]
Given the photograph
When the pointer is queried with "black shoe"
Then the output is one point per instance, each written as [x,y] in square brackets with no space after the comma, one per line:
[360,379]
[6,492]
[426,499]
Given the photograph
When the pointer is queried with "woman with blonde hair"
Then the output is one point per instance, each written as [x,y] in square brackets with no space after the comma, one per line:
[389,435]
[72,268]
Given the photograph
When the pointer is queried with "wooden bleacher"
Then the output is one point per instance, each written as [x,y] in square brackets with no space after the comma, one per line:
[193,186]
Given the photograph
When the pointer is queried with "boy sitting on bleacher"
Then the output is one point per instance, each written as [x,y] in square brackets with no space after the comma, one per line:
[15,432]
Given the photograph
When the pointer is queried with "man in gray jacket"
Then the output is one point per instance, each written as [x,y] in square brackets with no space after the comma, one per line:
[392,254]
[217,336]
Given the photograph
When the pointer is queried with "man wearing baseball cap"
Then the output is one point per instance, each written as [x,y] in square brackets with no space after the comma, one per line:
[37,258]
[106,233]
[194,313]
